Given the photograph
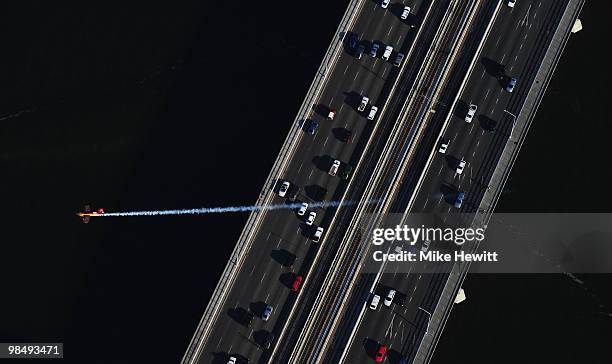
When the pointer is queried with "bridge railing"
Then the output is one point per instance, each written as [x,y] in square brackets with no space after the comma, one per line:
[293,138]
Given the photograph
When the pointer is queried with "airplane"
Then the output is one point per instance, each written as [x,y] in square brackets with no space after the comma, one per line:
[87,214]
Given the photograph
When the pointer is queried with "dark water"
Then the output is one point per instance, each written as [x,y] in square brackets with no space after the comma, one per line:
[179,106]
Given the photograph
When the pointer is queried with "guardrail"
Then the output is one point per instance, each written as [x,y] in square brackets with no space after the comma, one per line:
[293,138]
[457,275]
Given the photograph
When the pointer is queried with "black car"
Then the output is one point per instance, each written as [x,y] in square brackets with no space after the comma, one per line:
[346,136]
[353,41]
[399,299]
[266,342]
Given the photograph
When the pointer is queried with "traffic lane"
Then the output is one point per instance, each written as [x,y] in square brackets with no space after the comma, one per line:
[258,266]
[265,271]
[392,326]
[481,134]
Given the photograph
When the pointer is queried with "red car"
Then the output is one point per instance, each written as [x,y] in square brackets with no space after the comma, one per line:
[296,283]
[380,354]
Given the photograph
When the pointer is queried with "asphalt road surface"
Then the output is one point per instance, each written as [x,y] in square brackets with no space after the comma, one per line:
[513,48]
[265,277]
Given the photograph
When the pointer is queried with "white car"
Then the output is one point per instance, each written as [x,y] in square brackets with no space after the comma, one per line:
[385,4]
[389,298]
[372,112]
[374,302]
[302,209]
[387,53]
[232,360]
[461,166]
[282,191]
[311,218]
[425,246]
[471,112]
[331,114]
[317,235]
[334,168]
[511,3]
[363,103]
[405,13]
[443,146]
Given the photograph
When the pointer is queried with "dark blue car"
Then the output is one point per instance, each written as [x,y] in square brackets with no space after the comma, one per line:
[311,127]
[353,41]
[459,200]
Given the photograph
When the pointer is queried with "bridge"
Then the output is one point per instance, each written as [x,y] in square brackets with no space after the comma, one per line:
[456,53]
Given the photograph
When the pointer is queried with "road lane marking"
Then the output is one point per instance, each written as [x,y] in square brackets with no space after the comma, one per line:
[356,74]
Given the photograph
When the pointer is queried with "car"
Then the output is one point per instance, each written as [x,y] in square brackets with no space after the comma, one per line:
[345,171]
[293,192]
[425,246]
[359,51]
[266,342]
[511,3]
[385,4]
[389,298]
[461,166]
[372,112]
[353,41]
[399,57]
[232,360]
[443,146]
[311,218]
[471,112]
[459,199]
[317,235]
[267,311]
[400,299]
[374,302]
[302,209]
[346,136]
[331,114]
[311,127]
[405,13]
[296,283]
[510,84]
[380,353]
[363,103]
[387,53]
[247,318]
[284,187]
[374,49]
[333,169]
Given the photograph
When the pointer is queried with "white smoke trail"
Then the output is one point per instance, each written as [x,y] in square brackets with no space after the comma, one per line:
[220,210]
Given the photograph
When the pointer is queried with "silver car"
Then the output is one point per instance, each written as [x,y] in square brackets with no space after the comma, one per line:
[374,49]
[363,104]
[265,315]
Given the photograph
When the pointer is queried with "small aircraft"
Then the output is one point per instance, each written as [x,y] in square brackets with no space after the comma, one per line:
[87,214]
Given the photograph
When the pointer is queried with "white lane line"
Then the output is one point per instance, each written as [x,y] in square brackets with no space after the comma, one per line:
[252,269]
[331,101]
[267,296]
[389,32]
[440,170]
[346,69]
[310,174]
[487,94]
[399,40]
[439,200]
[356,74]
[279,242]
[425,206]
[471,128]
[262,278]
[502,59]
[326,139]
